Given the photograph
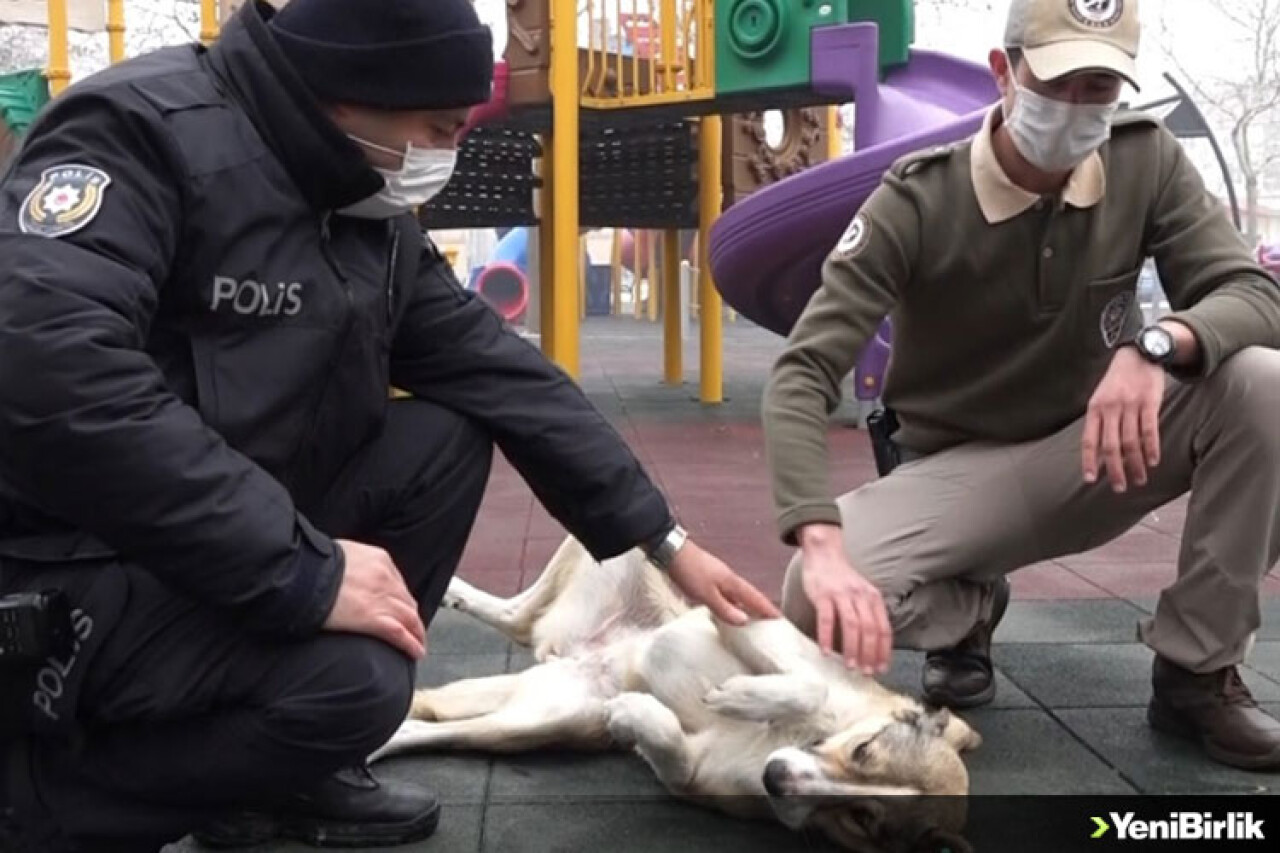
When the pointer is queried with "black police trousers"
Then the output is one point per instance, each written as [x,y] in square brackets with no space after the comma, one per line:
[184,717]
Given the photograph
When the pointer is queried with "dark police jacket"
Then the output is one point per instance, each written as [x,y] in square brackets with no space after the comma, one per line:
[192,341]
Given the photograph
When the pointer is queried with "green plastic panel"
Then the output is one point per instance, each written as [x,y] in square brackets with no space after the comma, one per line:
[22,94]
[897,22]
[764,44]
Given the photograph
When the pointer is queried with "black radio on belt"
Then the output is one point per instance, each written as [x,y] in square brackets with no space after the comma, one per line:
[35,626]
[881,425]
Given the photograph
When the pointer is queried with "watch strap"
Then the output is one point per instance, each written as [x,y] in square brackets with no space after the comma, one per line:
[665,549]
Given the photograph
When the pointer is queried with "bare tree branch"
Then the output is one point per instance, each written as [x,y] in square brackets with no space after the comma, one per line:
[1245,97]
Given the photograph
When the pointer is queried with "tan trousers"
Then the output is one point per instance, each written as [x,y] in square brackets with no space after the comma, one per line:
[935,532]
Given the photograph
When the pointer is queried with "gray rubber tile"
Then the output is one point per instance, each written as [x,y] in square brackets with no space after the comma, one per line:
[454,633]
[633,828]
[1054,622]
[1029,752]
[1157,763]
[1094,675]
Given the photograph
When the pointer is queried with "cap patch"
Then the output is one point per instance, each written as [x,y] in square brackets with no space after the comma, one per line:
[67,198]
[1099,14]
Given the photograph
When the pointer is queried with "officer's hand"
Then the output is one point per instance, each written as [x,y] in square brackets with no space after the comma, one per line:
[838,591]
[707,580]
[1122,426]
[373,600]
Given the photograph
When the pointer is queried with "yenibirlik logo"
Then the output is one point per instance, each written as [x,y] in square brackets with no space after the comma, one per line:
[1182,826]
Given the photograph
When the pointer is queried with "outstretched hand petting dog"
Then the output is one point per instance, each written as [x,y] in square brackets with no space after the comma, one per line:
[706,579]
[843,598]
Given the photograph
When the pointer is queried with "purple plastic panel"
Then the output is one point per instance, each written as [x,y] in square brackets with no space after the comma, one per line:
[767,251]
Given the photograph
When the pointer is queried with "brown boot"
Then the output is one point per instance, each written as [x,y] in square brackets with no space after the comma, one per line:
[962,676]
[1217,710]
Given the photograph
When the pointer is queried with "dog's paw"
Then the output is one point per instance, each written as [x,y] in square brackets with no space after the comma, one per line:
[628,713]
[405,739]
[732,696]
[422,708]
[453,600]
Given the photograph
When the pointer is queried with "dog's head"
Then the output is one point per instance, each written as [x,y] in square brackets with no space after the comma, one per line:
[892,782]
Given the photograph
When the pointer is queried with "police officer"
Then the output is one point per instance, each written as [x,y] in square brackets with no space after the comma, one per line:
[1038,415]
[212,277]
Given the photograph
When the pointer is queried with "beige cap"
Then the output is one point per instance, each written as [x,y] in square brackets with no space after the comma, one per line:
[1060,37]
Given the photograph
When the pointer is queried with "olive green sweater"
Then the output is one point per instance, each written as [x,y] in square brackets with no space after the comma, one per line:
[1005,314]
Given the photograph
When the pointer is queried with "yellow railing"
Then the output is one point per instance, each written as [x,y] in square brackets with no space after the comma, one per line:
[645,52]
[59,70]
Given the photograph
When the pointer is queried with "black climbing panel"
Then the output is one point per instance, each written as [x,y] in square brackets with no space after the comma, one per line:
[493,185]
[640,175]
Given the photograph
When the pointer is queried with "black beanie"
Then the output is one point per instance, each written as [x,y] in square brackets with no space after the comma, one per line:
[388,54]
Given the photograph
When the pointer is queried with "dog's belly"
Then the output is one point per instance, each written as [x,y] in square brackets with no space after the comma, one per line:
[603,667]
[683,661]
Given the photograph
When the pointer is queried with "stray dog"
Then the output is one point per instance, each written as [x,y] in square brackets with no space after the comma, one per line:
[755,720]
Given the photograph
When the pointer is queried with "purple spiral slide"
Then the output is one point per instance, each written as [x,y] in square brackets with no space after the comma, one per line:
[767,251]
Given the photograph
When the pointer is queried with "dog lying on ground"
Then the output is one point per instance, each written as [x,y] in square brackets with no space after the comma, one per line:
[755,720]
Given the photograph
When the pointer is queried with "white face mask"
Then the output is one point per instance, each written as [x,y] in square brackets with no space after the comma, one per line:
[423,173]
[1056,136]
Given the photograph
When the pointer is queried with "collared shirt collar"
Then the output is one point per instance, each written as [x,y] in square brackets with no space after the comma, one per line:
[1001,199]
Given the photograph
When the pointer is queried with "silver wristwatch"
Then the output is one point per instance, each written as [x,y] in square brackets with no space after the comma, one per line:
[665,551]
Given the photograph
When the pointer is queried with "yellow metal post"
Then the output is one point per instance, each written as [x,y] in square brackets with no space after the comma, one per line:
[672,345]
[615,283]
[651,299]
[835,146]
[208,20]
[668,45]
[582,276]
[564,178]
[710,323]
[642,241]
[115,30]
[546,251]
[59,72]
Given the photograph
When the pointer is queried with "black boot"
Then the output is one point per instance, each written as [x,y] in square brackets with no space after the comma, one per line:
[349,809]
[962,676]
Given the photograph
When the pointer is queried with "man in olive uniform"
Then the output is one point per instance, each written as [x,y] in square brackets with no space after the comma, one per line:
[1038,417]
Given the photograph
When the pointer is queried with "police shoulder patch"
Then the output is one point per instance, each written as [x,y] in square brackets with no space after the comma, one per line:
[855,236]
[66,199]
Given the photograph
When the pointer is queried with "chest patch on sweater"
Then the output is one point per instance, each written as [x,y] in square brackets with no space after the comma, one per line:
[1113,317]
[67,198]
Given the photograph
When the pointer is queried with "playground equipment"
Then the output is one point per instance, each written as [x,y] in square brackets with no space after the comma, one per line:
[767,251]
[1269,257]
[504,286]
[503,282]
[22,94]
[607,113]
[651,79]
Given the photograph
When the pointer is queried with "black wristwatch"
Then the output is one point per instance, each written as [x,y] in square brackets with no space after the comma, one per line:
[1156,345]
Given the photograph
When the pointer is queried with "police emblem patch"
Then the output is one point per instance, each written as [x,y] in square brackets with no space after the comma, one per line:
[67,198]
[1114,314]
[1097,13]
[855,236]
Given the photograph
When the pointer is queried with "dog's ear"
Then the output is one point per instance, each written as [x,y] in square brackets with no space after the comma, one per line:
[941,839]
[942,723]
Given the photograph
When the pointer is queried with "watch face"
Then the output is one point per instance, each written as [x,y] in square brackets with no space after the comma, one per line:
[1158,342]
